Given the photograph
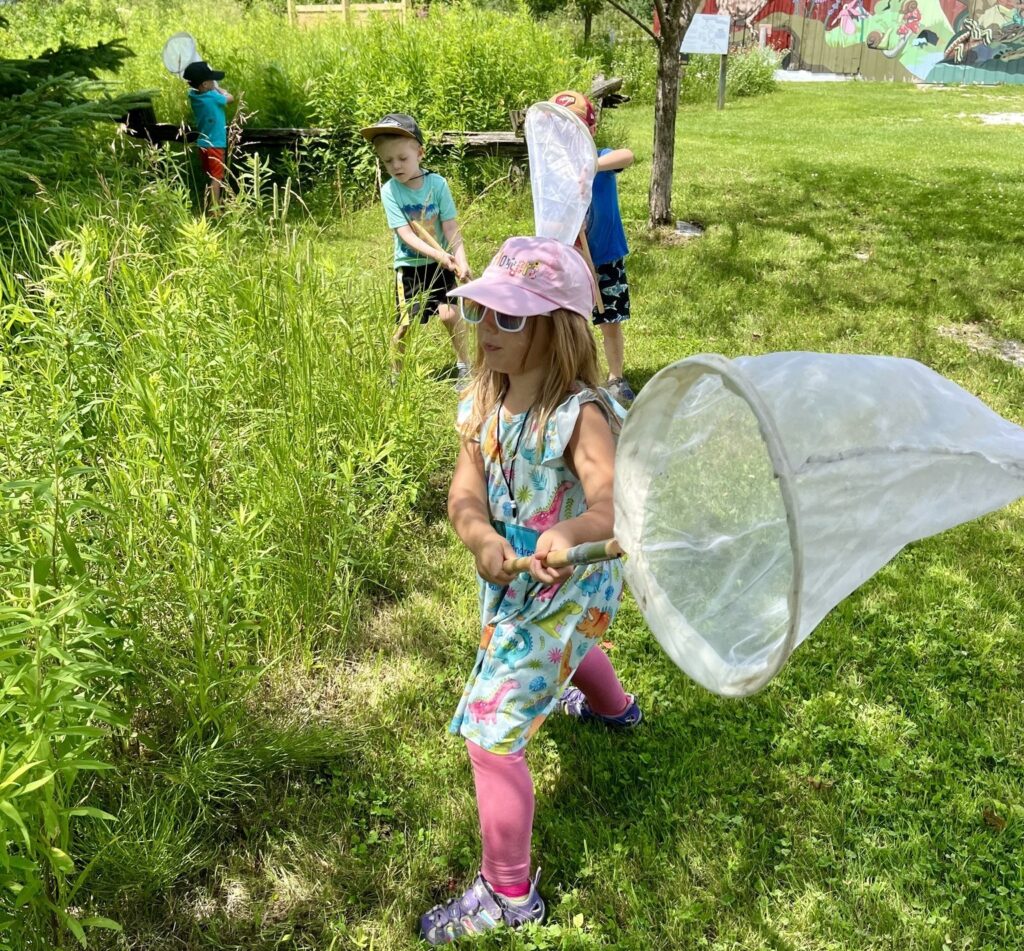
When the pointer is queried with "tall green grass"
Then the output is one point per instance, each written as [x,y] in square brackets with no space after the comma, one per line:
[203,470]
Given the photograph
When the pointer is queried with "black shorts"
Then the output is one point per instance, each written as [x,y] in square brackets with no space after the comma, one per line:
[420,290]
[611,279]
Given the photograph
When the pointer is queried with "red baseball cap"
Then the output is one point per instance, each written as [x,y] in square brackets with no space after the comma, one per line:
[578,103]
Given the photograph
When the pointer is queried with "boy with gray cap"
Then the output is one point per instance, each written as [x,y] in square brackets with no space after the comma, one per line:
[429,253]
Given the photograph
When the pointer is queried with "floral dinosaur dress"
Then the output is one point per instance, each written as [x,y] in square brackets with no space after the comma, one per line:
[534,636]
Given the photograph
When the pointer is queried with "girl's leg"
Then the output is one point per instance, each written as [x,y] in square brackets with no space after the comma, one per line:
[596,677]
[504,798]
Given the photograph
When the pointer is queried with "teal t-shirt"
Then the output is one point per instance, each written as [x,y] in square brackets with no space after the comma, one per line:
[432,203]
[208,109]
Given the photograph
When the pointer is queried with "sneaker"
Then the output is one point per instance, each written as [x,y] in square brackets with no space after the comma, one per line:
[619,388]
[480,909]
[574,704]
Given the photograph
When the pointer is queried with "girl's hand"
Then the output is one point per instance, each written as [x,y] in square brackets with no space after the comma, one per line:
[491,556]
[551,540]
[449,263]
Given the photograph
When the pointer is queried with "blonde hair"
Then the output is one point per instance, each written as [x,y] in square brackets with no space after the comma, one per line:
[572,365]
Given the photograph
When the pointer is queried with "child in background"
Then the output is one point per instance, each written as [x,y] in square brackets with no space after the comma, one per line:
[208,103]
[424,273]
[534,474]
[607,241]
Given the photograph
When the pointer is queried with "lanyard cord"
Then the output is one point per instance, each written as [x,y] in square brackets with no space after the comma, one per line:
[509,479]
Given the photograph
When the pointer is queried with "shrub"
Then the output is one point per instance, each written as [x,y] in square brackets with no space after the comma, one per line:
[481,64]
[750,72]
[204,467]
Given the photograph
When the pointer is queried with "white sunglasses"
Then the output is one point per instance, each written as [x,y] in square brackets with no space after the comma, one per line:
[473,313]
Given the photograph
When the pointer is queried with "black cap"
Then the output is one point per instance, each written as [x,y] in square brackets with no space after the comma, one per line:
[198,72]
[394,123]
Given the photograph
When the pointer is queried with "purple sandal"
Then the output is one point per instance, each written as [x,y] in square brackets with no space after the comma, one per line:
[480,909]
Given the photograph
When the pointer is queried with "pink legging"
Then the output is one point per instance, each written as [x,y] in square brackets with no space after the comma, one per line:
[504,787]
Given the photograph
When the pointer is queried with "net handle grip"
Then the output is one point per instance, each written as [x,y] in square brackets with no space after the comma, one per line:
[585,554]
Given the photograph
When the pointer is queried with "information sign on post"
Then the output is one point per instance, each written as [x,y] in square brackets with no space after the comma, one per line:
[709,33]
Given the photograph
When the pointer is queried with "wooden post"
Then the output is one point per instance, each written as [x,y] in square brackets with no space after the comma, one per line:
[345,11]
[291,12]
[721,81]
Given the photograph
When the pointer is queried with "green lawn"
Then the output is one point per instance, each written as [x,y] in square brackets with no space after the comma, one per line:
[871,797]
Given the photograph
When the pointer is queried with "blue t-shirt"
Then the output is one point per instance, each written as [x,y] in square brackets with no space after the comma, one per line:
[605,234]
[208,109]
[431,203]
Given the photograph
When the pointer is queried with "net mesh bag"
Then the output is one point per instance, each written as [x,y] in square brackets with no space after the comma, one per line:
[753,495]
[563,162]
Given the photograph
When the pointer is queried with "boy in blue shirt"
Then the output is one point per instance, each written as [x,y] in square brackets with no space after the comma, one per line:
[424,271]
[608,249]
[208,101]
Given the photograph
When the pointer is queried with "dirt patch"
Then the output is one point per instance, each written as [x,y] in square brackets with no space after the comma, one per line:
[1012,351]
[995,118]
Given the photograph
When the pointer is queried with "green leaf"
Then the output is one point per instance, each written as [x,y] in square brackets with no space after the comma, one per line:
[74,926]
[61,861]
[8,810]
[98,922]
[71,550]
[32,786]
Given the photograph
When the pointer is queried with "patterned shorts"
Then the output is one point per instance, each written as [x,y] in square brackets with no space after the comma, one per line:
[611,279]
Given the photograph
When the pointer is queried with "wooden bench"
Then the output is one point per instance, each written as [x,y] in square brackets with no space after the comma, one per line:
[604,93]
[141,124]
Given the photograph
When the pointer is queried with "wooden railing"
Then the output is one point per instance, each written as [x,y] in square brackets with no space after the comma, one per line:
[313,14]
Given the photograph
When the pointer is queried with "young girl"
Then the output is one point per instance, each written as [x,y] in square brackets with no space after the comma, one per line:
[534,475]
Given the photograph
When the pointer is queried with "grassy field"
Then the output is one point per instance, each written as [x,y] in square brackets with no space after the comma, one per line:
[870,798]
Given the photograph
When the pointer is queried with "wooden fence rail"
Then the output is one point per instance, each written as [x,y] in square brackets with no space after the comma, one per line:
[314,14]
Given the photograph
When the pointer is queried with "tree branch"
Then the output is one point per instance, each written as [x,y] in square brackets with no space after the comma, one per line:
[640,23]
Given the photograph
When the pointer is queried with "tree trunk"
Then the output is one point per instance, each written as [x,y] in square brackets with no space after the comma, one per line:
[588,23]
[666,103]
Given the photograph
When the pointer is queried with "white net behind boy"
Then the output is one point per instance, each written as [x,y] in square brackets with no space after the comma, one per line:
[563,163]
[753,495]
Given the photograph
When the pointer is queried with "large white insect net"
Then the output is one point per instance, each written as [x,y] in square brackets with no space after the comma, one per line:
[753,495]
[563,163]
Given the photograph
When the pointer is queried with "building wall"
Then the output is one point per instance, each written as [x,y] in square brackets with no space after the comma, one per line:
[935,41]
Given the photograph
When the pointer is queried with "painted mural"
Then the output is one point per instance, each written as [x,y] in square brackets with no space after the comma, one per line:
[935,41]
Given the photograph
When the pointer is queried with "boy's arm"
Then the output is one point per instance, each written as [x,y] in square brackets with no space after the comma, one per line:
[424,249]
[453,234]
[614,161]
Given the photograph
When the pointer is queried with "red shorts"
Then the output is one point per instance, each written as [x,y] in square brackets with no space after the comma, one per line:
[212,161]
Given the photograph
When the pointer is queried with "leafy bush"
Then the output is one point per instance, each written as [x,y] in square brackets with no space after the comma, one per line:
[48,105]
[204,467]
[750,72]
[481,64]
[463,67]
[635,59]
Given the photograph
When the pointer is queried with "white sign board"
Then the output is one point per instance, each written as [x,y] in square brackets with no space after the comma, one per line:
[708,33]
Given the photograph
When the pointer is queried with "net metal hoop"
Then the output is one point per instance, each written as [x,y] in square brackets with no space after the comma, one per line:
[651,401]
[179,49]
[565,113]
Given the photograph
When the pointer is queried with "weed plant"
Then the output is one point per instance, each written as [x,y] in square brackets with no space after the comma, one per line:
[204,471]
[461,68]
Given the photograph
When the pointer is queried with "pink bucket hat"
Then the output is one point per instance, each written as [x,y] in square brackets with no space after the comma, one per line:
[530,276]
